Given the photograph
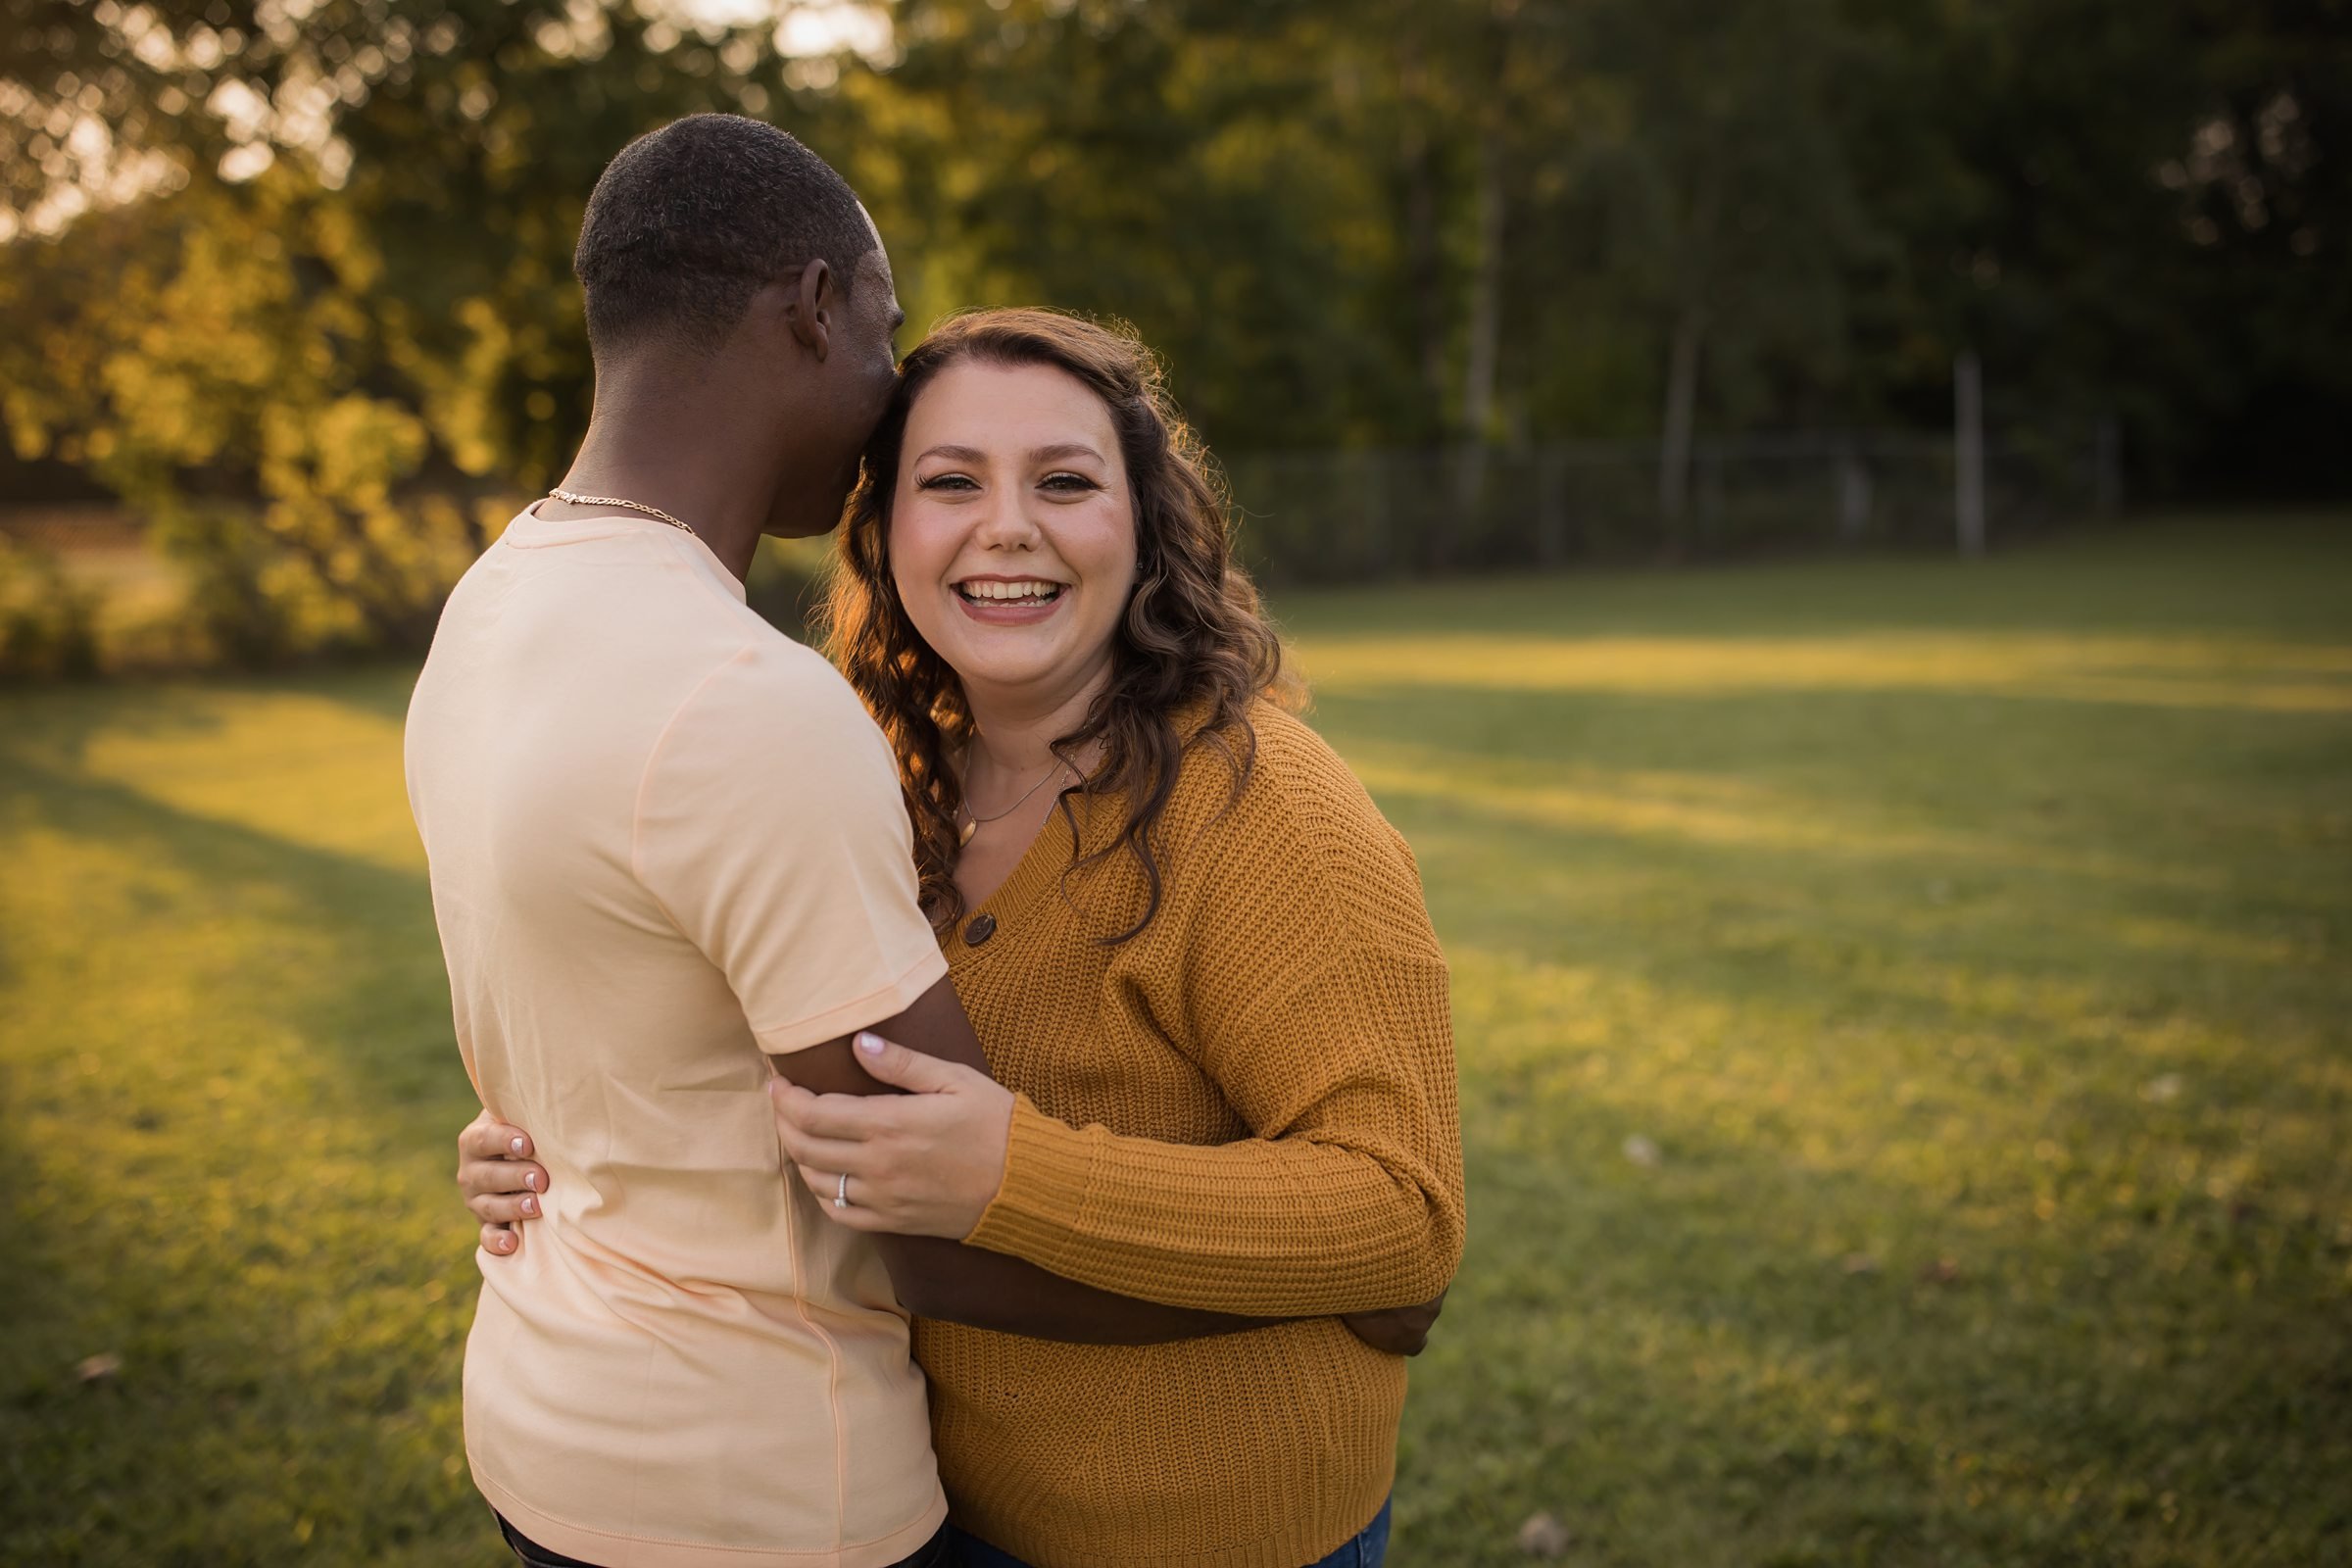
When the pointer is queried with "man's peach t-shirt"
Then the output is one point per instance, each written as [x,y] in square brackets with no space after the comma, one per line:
[664,840]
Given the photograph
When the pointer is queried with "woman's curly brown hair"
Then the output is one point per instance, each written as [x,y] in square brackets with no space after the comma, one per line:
[1194,650]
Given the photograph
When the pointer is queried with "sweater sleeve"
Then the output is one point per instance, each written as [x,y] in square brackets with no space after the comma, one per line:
[1311,990]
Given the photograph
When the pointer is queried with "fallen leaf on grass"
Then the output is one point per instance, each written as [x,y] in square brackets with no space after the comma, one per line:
[2162,1089]
[98,1368]
[1544,1536]
[1643,1153]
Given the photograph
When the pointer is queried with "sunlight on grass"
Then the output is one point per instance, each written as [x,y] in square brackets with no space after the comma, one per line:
[2188,672]
[229,1089]
[1904,1072]
[306,770]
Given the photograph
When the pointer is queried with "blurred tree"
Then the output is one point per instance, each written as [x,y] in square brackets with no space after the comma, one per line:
[2138,211]
[294,279]
[1732,217]
[1188,166]
[305,356]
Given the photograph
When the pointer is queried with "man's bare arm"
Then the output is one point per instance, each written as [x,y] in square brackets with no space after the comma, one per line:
[969,1285]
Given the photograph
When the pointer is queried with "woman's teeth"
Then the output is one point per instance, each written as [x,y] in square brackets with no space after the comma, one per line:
[1014,591]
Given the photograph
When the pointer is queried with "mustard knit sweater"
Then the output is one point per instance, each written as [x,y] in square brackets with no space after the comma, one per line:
[1249,1108]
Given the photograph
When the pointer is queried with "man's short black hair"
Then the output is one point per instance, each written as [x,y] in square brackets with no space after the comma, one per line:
[691,221]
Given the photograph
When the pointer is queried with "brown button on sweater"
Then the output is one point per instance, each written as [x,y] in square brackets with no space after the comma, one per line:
[1249,1108]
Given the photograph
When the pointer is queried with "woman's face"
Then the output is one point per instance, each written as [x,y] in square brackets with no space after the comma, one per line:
[1012,529]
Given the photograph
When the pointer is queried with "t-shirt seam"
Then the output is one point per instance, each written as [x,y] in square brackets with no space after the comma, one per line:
[680,548]
[892,987]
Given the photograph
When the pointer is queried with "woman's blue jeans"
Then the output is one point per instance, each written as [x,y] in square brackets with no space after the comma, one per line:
[1367,1549]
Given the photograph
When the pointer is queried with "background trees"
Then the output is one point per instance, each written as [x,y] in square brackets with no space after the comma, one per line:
[294,281]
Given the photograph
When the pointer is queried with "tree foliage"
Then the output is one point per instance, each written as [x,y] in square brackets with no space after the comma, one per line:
[294,279]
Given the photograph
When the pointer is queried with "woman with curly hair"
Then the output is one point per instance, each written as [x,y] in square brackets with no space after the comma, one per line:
[1197,957]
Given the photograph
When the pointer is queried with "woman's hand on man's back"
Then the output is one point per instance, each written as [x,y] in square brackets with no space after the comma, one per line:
[499,1181]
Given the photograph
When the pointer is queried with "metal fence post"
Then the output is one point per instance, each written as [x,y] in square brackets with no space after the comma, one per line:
[1968,451]
[1378,545]
[1710,493]
[1854,495]
[2107,471]
[1551,508]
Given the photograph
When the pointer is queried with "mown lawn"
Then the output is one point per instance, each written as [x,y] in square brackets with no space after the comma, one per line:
[1905,1014]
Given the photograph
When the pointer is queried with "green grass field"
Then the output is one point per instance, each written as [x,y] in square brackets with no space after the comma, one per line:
[1905,1014]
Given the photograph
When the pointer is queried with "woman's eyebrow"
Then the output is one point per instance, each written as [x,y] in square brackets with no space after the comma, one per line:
[956,454]
[1066,448]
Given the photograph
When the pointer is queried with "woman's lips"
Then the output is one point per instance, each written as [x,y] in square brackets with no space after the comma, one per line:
[1010,612]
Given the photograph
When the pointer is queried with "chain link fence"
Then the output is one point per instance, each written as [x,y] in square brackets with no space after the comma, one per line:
[1342,517]
[1363,515]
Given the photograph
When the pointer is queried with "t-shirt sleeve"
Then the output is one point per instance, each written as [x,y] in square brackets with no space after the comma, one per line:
[770,828]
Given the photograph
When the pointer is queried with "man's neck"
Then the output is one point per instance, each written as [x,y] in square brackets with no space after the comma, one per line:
[677,441]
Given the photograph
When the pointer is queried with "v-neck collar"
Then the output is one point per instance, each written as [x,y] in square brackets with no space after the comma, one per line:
[1037,874]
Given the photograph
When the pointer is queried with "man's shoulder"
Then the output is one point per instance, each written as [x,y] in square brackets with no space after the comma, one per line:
[771,709]
[776,681]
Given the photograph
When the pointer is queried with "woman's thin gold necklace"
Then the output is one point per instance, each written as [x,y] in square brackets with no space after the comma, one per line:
[973,819]
[620,501]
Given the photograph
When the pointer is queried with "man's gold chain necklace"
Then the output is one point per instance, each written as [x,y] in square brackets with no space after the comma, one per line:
[620,501]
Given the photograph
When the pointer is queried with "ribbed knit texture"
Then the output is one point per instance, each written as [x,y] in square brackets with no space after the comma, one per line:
[1249,1108]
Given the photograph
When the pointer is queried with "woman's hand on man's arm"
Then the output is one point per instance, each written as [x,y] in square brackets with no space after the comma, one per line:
[927,1162]
[920,1129]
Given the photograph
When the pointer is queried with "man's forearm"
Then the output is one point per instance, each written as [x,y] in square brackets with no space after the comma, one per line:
[980,1289]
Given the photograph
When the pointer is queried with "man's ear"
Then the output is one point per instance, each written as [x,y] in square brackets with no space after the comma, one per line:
[809,309]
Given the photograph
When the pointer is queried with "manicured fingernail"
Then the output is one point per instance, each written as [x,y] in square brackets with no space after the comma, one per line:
[502,1244]
[516,1144]
[869,1043]
[530,1179]
[529,1205]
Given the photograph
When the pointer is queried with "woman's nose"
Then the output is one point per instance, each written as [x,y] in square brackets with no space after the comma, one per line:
[1007,523]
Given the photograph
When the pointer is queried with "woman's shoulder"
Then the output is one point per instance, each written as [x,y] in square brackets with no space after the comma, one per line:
[1281,765]
[1296,772]
[1299,816]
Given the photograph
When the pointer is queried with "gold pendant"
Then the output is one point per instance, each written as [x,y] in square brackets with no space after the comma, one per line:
[963,835]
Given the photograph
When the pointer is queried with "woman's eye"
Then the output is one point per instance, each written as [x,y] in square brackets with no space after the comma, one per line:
[1071,483]
[945,481]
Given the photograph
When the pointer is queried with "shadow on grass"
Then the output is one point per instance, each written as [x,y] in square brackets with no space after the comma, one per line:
[1846,959]
[2042,990]
[1682,1361]
[382,973]
[227,1132]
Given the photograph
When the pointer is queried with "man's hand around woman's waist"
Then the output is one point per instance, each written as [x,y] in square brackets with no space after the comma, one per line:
[931,1168]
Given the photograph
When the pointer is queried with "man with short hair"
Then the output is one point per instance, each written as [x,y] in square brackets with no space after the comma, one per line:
[668,848]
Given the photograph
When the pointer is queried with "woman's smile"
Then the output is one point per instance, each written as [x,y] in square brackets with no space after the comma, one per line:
[997,601]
